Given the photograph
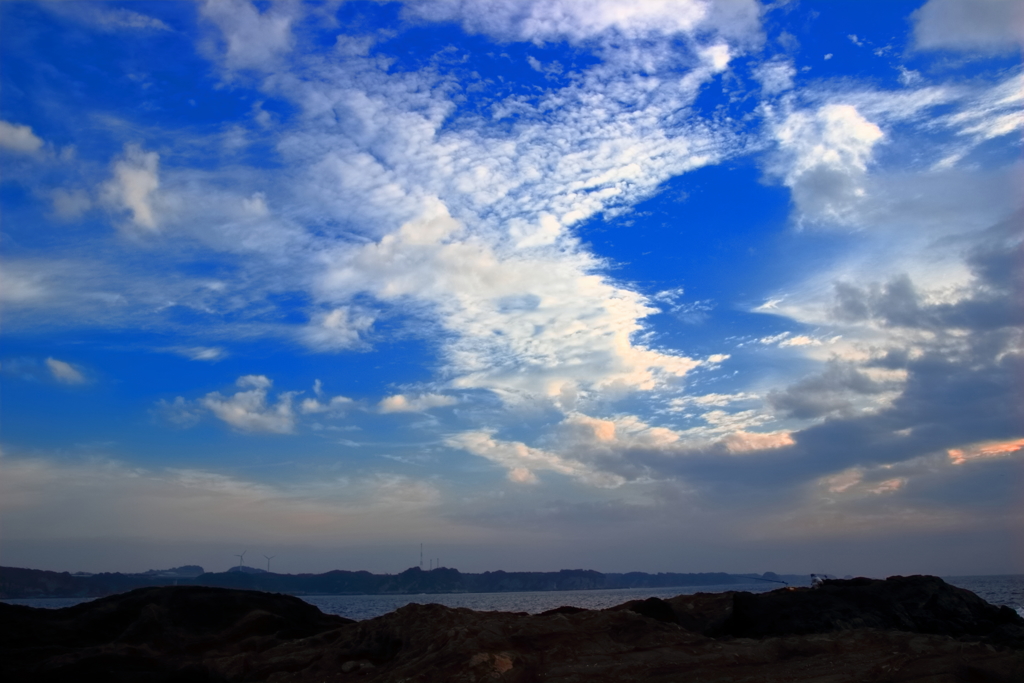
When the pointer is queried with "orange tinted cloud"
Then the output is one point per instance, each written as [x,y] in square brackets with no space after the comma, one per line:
[984,450]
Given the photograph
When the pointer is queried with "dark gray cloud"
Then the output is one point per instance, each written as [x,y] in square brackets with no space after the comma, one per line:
[825,393]
[995,298]
[963,385]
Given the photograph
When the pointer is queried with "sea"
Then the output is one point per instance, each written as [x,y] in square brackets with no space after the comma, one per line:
[998,590]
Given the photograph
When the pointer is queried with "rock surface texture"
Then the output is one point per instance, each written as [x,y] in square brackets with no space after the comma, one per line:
[916,629]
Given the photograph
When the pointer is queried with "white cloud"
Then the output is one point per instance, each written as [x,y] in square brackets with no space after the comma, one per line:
[522,461]
[22,284]
[553,20]
[800,340]
[18,138]
[776,76]
[540,324]
[608,452]
[547,231]
[992,113]
[133,185]
[70,204]
[64,372]
[717,57]
[179,412]
[337,329]
[253,39]
[982,25]
[126,19]
[824,160]
[612,441]
[909,77]
[337,405]
[399,403]
[612,141]
[205,353]
[720,400]
[522,475]
[106,19]
[249,411]
[743,442]
[580,431]
[785,339]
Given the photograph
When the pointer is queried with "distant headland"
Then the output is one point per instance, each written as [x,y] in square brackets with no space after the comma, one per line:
[36,583]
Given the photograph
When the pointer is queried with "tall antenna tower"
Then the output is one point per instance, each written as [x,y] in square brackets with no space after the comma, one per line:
[269,558]
[421,556]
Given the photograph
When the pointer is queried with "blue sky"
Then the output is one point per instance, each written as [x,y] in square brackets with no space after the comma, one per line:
[660,286]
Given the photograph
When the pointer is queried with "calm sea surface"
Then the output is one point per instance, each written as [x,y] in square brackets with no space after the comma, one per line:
[998,590]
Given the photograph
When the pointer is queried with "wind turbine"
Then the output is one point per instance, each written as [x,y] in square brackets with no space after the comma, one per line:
[241,557]
[269,558]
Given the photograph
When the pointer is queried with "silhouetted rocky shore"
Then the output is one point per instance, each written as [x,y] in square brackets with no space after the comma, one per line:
[902,629]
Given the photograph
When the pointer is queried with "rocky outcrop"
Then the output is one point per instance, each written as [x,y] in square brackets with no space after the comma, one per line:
[151,634]
[904,629]
[917,604]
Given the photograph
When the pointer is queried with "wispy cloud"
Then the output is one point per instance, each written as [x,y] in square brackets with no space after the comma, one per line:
[210,354]
[64,372]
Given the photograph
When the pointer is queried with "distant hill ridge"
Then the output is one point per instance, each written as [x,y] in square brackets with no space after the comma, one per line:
[37,583]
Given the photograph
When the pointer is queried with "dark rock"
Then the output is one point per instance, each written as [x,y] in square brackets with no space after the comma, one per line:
[652,608]
[564,609]
[705,613]
[158,633]
[901,630]
[919,604]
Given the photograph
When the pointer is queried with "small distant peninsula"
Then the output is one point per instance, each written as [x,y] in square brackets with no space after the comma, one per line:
[35,583]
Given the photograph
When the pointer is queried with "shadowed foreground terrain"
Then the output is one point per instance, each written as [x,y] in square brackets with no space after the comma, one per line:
[916,629]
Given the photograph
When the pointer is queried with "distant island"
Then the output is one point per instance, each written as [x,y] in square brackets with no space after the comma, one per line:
[35,583]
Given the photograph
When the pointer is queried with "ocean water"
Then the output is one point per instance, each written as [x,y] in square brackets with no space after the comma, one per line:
[47,603]
[1006,589]
[998,590]
[361,607]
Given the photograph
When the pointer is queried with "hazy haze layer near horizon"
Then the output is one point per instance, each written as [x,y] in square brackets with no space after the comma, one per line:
[661,285]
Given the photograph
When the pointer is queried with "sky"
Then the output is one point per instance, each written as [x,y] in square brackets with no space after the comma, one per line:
[660,285]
